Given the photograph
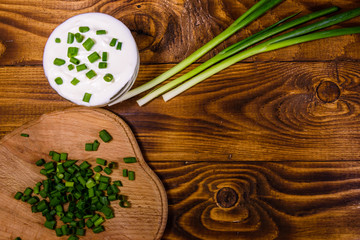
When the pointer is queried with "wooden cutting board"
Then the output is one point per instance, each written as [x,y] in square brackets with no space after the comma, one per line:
[68,131]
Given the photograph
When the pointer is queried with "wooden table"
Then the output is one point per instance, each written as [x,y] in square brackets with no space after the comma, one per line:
[268,148]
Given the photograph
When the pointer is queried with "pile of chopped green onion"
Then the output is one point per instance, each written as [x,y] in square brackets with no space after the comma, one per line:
[242,50]
[87,44]
[76,197]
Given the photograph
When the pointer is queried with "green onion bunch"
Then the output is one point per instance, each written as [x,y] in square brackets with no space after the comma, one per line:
[76,197]
[263,41]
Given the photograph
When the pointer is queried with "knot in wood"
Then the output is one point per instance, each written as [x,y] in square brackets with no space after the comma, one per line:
[328,91]
[227,197]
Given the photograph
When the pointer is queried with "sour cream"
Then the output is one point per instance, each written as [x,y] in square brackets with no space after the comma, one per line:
[122,64]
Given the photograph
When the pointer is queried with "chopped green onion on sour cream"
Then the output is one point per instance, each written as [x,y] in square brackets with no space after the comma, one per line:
[102,50]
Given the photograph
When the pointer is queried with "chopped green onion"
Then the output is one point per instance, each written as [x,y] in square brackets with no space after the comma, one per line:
[93,57]
[105,136]
[113,42]
[63,156]
[129,159]
[119,46]
[70,38]
[102,65]
[73,237]
[98,229]
[69,184]
[125,173]
[75,81]
[79,38]
[131,175]
[96,145]
[57,40]
[84,165]
[56,156]
[101,161]
[107,170]
[70,67]
[50,224]
[86,98]
[58,232]
[18,195]
[59,61]
[81,67]
[24,135]
[75,61]
[40,162]
[90,74]
[88,44]
[118,183]
[88,147]
[84,29]
[72,52]
[98,169]
[58,80]
[108,77]
[100,32]
[104,56]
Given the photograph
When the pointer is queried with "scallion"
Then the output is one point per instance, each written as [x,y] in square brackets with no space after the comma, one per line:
[93,57]
[100,32]
[75,81]
[253,13]
[88,44]
[58,80]
[90,74]
[84,29]
[59,61]
[70,38]
[86,98]
[108,77]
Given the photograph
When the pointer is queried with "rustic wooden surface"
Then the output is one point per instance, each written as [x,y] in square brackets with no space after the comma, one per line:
[68,131]
[268,148]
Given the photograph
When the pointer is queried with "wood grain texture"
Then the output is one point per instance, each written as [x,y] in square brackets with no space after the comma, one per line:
[289,200]
[68,131]
[166,31]
[249,112]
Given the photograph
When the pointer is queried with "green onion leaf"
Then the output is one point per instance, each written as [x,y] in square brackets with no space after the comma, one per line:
[86,98]
[70,38]
[81,67]
[102,65]
[58,80]
[75,81]
[88,44]
[59,61]
[113,42]
[104,56]
[90,74]
[79,38]
[105,136]
[57,40]
[84,29]
[100,32]
[119,46]
[72,52]
[93,57]
[75,61]
[108,77]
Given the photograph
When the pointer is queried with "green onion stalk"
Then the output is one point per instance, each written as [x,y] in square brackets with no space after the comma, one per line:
[253,13]
[237,47]
[261,48]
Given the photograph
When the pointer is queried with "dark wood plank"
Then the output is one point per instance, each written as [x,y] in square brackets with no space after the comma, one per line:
[249,112]
[166,31]
[296,200]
